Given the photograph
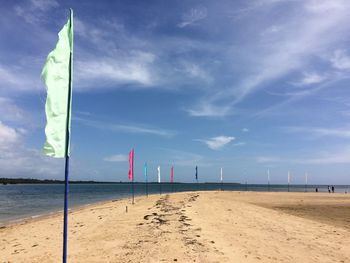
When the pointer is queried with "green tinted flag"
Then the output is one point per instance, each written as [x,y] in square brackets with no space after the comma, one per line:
[57,75]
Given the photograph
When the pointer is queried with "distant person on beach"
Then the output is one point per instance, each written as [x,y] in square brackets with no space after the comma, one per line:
[316,190]
[332,188]
[329,189]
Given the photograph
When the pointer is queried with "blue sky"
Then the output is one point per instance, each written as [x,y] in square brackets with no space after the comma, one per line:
[243,85]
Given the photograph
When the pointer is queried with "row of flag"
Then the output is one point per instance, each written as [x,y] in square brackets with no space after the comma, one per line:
[131,170]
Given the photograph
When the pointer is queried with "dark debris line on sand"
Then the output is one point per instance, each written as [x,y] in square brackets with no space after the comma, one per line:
[167,222]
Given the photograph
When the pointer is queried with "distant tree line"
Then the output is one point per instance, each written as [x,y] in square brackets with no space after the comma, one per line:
[49,181]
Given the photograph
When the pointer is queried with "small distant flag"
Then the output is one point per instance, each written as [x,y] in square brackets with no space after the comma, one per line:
[158,169]
[305,178]
[172,174]
[288,177]
[268,175]
[146,175]
[221,178]
[197,173]
[131,165]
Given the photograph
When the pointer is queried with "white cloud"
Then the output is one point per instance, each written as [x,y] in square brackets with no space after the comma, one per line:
[99,72]
[8,136]
[341,60]
[216,143]
[311,78]
[138,129]
[16,160]
[193,16]
[245,130]
[116,158]
[269,58]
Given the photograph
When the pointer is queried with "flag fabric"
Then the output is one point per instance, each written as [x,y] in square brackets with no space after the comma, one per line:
[221,178]
[57,75]
[145,168]
[196,173]
[158,173]
[131,165]
[172,174]
[268,175]
[305,178]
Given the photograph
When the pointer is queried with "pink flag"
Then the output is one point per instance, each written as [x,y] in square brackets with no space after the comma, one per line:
[172,174]
[131,165]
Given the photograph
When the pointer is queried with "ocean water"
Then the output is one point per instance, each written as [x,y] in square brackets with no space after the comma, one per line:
[27,200]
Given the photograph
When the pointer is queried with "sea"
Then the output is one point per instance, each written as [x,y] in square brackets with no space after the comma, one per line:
[20,201]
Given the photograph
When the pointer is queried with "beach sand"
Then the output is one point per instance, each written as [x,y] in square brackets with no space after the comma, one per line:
[192,227]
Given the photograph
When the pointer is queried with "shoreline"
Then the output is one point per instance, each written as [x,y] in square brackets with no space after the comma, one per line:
[44,215]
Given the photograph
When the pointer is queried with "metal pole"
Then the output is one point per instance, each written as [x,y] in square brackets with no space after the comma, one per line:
[133,191]
[65,213]
[66,170]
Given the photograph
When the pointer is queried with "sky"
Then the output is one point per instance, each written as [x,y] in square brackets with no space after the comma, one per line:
[243,85]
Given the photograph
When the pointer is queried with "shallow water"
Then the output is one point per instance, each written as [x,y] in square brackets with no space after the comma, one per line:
[26,200]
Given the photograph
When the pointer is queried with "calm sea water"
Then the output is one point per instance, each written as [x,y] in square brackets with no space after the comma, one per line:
[27,200]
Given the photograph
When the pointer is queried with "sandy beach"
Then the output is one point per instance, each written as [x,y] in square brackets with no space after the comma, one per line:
[192,227]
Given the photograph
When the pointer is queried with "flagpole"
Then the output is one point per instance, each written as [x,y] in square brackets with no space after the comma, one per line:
[146,179]
[221,179]
[66,170]
[305,182]
[132,183]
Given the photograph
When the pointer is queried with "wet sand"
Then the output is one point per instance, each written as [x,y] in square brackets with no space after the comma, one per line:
[192,227]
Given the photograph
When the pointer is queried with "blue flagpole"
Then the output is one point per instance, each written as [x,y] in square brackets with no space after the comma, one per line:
[146,179]
[65,216]
[66,170]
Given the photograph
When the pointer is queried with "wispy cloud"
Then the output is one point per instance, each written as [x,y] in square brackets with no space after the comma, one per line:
[239,144]
[16,159]
[337,156]
[138,129]
[310,78]
[110,72]
[268,159]
[245,130]
[217,143]
[9,111]
[8,136]
[18,78]
[317,132]
[33,11]
[184,158]
[204,109]
[193,16]
[341,60]
[288,50]
[116,158]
